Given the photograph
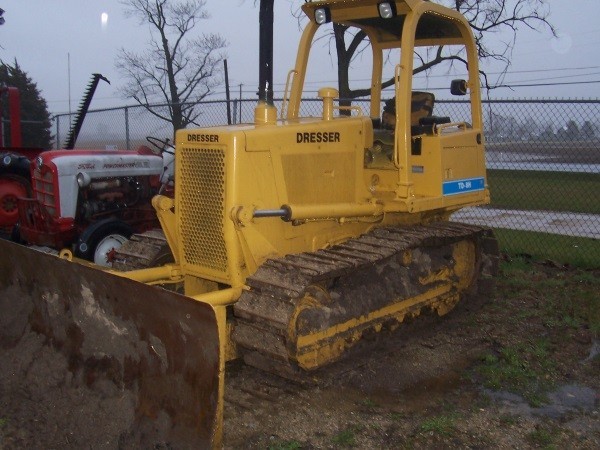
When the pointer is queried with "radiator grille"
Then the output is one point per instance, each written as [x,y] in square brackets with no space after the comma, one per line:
[43,186]
[201,202]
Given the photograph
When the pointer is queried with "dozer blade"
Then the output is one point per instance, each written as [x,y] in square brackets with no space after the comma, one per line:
[147,358]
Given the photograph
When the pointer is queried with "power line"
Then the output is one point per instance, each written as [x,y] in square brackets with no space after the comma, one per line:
[433,88]
[445,88]
[560,69]
[552,84]
[511,84]
[559,78]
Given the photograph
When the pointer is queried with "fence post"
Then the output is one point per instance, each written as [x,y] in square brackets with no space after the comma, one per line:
[127,143]
[57,132]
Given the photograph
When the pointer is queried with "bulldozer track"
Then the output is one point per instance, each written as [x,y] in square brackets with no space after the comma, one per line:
[293,302]
[266,314]
[141,251]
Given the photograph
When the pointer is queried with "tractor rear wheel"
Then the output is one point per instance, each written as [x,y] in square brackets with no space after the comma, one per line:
[12,187]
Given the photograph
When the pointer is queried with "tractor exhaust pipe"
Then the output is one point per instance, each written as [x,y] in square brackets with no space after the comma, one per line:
[265,73]
[265,112]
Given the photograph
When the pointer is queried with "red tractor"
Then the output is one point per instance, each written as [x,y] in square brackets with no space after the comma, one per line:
[14,163]
[88,201]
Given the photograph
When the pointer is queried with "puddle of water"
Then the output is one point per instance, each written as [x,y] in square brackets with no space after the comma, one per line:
[428,392]
[594,351]
[566,399]
[416,390]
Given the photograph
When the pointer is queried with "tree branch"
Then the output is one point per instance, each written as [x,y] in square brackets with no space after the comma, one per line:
[177,66]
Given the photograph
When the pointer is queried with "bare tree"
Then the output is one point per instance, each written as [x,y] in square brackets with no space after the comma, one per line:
[487,18]
[179,67]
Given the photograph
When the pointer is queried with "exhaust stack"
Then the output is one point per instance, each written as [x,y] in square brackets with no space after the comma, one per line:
[265,112]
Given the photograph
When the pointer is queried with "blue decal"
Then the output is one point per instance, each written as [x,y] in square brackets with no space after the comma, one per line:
[463,186]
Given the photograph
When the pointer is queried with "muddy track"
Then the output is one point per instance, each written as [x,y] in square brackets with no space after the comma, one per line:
[308,294]
[141,251]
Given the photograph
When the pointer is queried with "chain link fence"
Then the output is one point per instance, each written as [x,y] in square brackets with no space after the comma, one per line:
[543,159]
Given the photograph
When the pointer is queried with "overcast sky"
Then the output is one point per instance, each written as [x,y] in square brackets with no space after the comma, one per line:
[60,43]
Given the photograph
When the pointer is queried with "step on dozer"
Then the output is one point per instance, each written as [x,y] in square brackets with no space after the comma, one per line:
[151,353]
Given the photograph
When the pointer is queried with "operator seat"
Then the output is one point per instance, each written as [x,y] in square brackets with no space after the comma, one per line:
[421,109]
[421,105]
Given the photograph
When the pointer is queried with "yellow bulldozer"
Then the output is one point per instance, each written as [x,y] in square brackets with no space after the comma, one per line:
[289,238]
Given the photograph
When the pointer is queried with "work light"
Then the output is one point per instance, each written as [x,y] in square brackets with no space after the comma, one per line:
[322,15]
[387,10]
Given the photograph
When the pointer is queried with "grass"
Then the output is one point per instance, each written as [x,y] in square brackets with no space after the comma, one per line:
[552,191]
[542,438]
[570,300]
[576,251]
[547,191]
[287,445]
[346,438]
[522,369]
[396,417]
[369,403]
[558,301]
[441,425]
[508,419]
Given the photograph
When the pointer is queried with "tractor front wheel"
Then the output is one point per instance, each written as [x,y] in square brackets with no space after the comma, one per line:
[99,241]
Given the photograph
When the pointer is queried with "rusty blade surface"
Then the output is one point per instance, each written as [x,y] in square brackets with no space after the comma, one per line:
[152,352]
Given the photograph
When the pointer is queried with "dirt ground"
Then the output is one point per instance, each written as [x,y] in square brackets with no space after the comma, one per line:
[520,371]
